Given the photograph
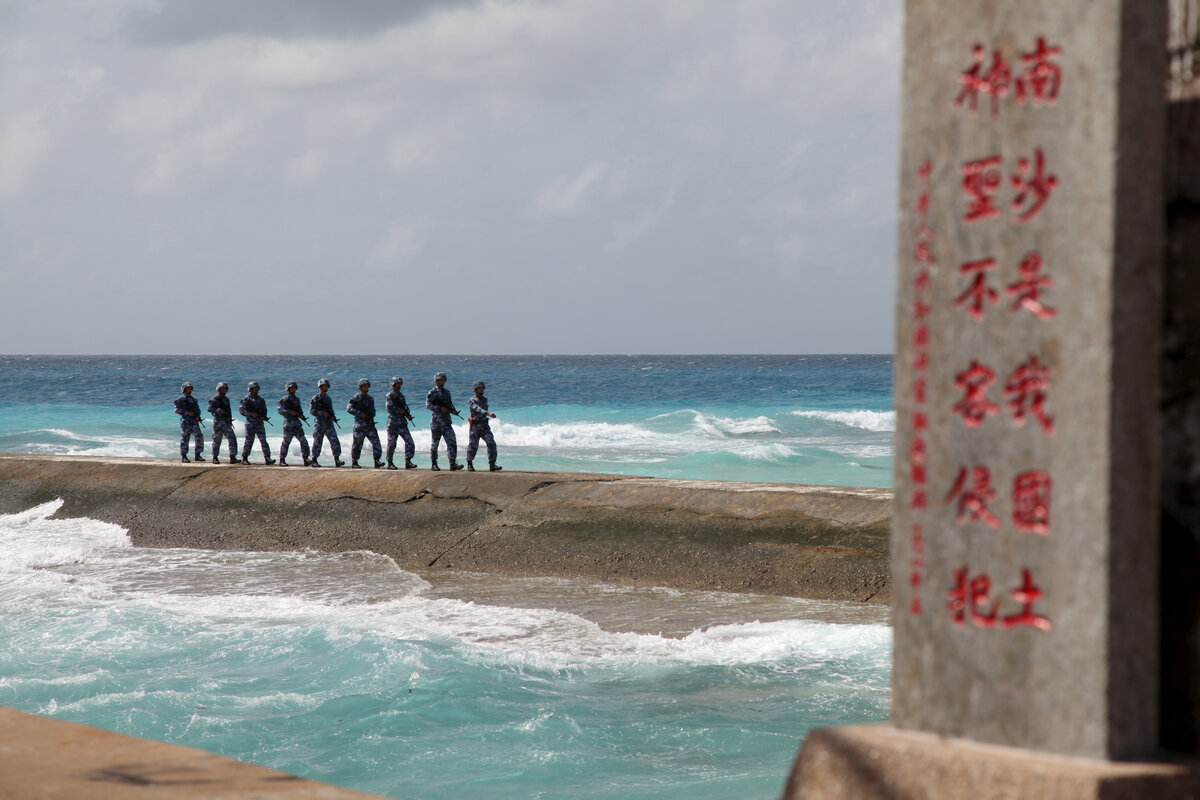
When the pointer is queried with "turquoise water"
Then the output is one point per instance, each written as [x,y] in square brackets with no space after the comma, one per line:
[793,419]
[343,668]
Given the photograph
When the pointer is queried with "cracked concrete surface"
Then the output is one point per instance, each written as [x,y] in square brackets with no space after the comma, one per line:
[802,541]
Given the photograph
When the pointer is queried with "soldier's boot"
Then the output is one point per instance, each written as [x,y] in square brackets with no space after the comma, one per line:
[282,462]
[455,465]
[233,460]
[269,461]
[433,466]
[470,466]
[354,464]
[199,457]
[185,459]
[378,463]
[408,464]
[307,461]
[313,463]
[392,465]
[337,462]
[494,467]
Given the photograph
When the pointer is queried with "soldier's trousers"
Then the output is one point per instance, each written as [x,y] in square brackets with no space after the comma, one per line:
[365,430]
[293,431]
[400,430]
[437,430]
[323,428]
[481,432]
[188,428]
[254,428]
[223,430]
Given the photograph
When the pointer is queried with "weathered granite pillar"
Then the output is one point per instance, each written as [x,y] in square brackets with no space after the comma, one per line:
[1025,539]
[1026,520]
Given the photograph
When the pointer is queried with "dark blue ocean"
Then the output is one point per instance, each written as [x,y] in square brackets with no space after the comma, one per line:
[346,669]
[792,419]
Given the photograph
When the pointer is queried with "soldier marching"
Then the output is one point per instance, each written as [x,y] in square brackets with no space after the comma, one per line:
[324,425]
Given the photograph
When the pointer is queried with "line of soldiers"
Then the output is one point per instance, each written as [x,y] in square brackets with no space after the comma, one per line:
[361,406]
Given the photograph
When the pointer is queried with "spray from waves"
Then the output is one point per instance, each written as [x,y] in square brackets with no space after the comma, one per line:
[64,442]
[878,421]
[33,541]
[93,563]
[282,659]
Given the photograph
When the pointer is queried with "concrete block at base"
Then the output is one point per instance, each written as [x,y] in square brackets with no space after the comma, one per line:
[879,762]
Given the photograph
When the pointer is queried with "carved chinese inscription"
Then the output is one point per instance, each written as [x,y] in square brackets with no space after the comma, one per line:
[1012,191]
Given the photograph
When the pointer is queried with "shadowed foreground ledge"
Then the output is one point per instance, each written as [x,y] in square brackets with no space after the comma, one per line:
[50,758]
[786,539]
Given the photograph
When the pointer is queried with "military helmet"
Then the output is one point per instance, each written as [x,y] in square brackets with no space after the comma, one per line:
[397,379]
[253,385]
[363,382]
[322,382]
[441,376]
[477,385]
[186,385]
[222,385]
[292,385]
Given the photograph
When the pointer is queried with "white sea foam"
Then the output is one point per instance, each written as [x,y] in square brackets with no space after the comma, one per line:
[585,436]
[359,595]
[102,446]
[880,421]
[31,540]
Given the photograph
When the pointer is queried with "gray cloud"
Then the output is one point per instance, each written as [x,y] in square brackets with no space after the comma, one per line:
[524,176]
[180,23]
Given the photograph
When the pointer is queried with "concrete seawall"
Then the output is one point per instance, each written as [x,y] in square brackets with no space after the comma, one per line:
[803,541]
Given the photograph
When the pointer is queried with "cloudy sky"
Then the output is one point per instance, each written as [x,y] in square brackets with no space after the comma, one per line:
[448,176]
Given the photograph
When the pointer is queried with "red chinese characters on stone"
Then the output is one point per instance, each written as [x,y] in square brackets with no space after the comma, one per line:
[1031,502]
[993,83]
[1033,185]
[978,293]
[970,600]
[1038,79]
[974,382]
[1041,79]
[924,258]
[1026,390]
[1028,290]
[980,180]
[1027,594]
[973,491]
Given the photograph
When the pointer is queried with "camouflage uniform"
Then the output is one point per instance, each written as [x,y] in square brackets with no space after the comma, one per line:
[321,408]
[362,406]
[293,413]
[439,424]
[222,417]
[480,429]
[397,427]
[254,427]
[189,424]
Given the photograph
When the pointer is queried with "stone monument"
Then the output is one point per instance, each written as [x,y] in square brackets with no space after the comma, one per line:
[1025,540]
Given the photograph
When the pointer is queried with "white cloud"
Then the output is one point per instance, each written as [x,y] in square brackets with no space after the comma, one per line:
[155,113]
[642,224]
[23,142]
[86,78]
[567,195]
[404,240]
[305,168]
[416,150]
